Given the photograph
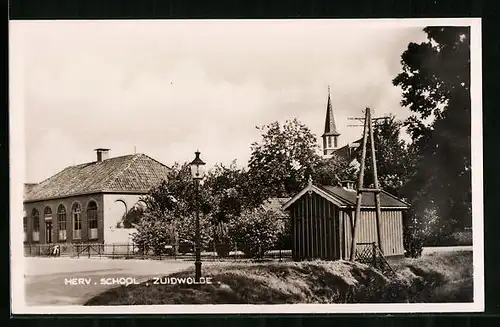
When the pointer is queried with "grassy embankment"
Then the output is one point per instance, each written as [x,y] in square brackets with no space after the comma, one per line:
[445,277]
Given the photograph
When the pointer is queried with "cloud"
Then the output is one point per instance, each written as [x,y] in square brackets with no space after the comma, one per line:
[169,88]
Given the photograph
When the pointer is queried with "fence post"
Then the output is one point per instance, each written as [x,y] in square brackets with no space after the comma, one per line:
[113,252]
[128,250]
[235,250]
[280,253]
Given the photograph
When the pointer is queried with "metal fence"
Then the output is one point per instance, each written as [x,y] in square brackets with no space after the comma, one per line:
[132,251]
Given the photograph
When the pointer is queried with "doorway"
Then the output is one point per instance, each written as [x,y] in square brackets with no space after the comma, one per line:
[48,231]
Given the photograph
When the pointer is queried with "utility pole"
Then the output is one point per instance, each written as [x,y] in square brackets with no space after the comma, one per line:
[367,132]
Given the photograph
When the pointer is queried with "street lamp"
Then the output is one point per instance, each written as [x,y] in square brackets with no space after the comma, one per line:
[197,172]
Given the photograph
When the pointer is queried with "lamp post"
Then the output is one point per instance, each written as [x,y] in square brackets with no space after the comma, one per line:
[197,172]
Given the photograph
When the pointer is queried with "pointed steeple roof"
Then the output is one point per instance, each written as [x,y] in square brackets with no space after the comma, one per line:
[330,127]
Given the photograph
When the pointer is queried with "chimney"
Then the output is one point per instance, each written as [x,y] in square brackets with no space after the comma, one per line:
[102,154]
[348,185]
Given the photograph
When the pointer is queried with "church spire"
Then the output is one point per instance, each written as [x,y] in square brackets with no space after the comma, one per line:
[330,135]
[330,127]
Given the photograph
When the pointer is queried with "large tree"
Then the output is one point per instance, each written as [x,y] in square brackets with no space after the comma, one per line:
[284,158]
[332,171]
[231,193]
[395,158]
[436,87]
[168,215]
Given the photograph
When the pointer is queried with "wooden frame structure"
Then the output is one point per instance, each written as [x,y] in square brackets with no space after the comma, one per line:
[367,132]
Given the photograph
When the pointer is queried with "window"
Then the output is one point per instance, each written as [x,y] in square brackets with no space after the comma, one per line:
[77,221]
[92,219]
[47,213]
[25,227]
[35,216]
[329,138]
[335,142]
[61,222]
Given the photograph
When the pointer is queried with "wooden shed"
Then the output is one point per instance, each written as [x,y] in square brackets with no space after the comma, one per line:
[322,219]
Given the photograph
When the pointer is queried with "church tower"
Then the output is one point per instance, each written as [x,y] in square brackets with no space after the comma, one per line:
[330,136]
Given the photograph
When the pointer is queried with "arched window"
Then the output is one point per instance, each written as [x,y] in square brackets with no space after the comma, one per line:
[77,221]
[61,222]
[35,217]
[92,219]
[47,213]
[25,227]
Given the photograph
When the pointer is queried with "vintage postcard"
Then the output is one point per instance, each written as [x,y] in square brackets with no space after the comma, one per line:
[246,166]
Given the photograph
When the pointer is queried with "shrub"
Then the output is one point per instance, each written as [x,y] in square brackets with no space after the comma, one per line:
[222,240]
[186,230]
[154,235]
[413,236]
[256,231]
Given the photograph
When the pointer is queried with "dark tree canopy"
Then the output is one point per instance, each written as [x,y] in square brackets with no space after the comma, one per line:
[436,88]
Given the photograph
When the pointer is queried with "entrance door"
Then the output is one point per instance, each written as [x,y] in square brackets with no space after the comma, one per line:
[48,232]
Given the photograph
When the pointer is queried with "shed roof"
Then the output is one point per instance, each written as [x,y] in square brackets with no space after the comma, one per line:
[344,198]
[136,173]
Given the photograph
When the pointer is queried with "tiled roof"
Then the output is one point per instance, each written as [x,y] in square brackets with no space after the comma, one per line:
[131,173]
[28,187]
[348,197]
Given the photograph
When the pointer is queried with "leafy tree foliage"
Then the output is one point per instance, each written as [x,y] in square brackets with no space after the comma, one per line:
[395,158]
[154,235]
[257,231]
[169,213]
[334,170]
[132,217]
[230,191]
[281,162]
[436,88]
[185,227]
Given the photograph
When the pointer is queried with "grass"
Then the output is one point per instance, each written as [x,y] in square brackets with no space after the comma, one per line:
[445,277]
[434,278]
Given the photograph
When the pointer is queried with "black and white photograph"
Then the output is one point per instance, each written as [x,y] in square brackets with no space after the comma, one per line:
[246,166]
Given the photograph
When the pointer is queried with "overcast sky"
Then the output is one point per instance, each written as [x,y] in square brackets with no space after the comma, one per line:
[169,88]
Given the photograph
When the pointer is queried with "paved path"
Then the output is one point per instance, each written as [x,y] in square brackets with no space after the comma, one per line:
[46,279]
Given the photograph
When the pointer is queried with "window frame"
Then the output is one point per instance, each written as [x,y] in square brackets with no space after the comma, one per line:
[35,217]
[76,214]
[92,218]
[62,222]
